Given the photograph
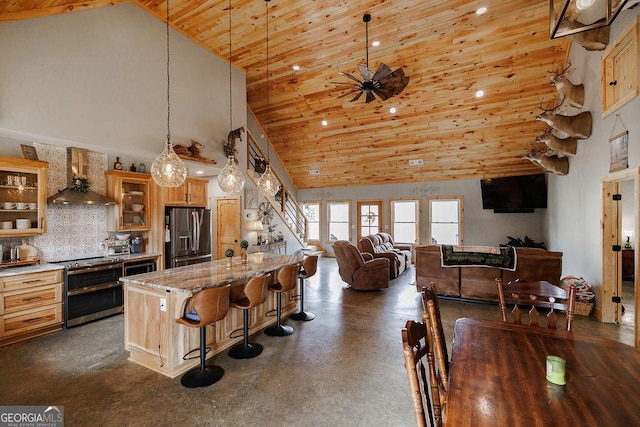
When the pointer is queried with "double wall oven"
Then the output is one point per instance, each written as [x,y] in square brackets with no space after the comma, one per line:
[92,287]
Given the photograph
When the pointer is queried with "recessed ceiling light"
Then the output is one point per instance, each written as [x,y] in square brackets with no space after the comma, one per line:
[479,93]
[481,10]
[375,43]
[314,172]
[296,67]
[199,172]
[392,110]
[324,123]
[416,162]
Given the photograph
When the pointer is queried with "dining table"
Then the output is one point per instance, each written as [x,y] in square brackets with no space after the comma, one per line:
[497,377]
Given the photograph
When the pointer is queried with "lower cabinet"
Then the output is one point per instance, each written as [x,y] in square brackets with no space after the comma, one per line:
[31,305]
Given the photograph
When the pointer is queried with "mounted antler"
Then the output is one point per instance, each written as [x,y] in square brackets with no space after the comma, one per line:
[573,94]
[578,126]
[566,147]
[553,164]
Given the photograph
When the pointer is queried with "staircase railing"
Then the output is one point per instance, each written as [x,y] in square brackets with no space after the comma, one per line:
[283,202]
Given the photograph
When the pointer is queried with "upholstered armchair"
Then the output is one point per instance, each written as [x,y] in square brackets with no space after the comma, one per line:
[373,246]
[359,273]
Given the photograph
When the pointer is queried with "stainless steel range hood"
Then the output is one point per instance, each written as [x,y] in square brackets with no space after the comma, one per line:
[77,164]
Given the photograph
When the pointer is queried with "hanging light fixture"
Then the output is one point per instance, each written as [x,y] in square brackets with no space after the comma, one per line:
[230,178]
[268,184]
[168,170]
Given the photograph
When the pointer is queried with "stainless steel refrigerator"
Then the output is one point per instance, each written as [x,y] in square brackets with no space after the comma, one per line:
[187,236]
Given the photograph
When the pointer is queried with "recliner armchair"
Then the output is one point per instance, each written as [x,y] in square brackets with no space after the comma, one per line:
[359,273]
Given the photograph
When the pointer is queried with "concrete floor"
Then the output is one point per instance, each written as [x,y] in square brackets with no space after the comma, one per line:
[345,368]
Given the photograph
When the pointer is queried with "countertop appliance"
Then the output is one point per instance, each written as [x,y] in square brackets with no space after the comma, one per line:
[187,236]
[91,289]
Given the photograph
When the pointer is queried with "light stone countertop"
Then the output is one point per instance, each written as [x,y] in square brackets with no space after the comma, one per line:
[26,269]
[196,277]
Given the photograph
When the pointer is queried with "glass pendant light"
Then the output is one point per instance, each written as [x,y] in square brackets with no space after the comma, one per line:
[230,178]
[268,184]
[168,170]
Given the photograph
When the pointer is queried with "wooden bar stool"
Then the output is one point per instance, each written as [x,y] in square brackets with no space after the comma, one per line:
[203,308]
[308,269]
[255,293]
[286,281]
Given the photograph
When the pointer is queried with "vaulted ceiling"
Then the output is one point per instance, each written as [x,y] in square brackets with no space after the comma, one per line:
[448,51]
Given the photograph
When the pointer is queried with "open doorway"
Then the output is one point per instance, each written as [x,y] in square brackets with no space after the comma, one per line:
[620,205]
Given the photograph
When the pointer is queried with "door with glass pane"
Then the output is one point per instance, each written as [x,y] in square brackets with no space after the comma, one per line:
[369,218]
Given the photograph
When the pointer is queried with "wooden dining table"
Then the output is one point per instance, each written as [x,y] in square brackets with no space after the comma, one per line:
[498,378]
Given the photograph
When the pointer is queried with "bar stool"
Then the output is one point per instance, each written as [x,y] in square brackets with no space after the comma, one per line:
[255,293]
[308,269]
[286,281]
[203,308]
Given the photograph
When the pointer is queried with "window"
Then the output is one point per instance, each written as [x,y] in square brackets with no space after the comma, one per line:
[338,219]
[312,211]
[369,218]
[445,221]
[405,221]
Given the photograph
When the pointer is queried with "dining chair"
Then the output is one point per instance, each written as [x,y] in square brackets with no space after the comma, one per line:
[423,386]
[536,295]
[431,313]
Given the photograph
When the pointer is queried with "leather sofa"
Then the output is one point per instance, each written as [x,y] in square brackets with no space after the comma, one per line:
[360,271]
[478,283]
[381,245]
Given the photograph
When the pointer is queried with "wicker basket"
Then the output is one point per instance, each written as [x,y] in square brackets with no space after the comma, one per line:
[583,308]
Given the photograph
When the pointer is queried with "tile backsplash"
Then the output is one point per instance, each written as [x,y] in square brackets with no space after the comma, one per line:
[73,231]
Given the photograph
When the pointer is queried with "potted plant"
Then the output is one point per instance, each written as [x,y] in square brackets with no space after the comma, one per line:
[229,254]
[243,251]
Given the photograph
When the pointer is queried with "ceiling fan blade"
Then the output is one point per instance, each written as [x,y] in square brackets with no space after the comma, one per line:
[365,71]
[345,83]
[370,97]
[394,83]
[382,71]
[355,98]
[350,76]
[383,93]
[348,93]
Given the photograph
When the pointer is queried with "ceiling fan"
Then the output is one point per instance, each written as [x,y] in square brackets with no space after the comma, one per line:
[384,82]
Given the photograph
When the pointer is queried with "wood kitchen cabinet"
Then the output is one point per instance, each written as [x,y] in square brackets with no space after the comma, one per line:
[30,305]
[132,191]
[194,192]
[23,197]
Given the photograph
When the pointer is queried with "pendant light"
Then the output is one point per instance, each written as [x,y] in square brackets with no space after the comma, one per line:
[230,178]
[168,170]
[268,184]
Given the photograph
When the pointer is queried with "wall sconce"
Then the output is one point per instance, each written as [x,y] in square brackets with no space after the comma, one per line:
[628,234]
[575,16]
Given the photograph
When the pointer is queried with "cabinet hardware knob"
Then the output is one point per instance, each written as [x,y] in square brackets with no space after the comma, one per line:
[613,83]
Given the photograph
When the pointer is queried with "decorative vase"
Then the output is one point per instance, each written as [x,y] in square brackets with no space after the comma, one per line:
[229,262]
[243,255]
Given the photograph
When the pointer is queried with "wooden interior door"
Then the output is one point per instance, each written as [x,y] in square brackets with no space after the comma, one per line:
[228,225]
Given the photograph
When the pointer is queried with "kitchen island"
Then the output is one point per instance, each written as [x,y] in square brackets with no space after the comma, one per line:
[153,302]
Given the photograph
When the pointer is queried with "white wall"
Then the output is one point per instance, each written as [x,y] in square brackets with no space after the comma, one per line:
[97,79]
[574,206]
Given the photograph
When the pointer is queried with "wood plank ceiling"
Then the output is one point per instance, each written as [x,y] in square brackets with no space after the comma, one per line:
[447,49]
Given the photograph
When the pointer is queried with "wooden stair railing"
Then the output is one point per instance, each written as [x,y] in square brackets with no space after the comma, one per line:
[283,202]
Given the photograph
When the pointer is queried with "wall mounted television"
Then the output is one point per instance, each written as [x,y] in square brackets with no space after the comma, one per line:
[515,194]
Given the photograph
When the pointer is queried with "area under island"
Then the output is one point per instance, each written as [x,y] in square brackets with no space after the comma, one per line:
[153,302]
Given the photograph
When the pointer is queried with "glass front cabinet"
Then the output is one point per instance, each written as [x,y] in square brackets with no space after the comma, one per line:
[131,190]
[23,197]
